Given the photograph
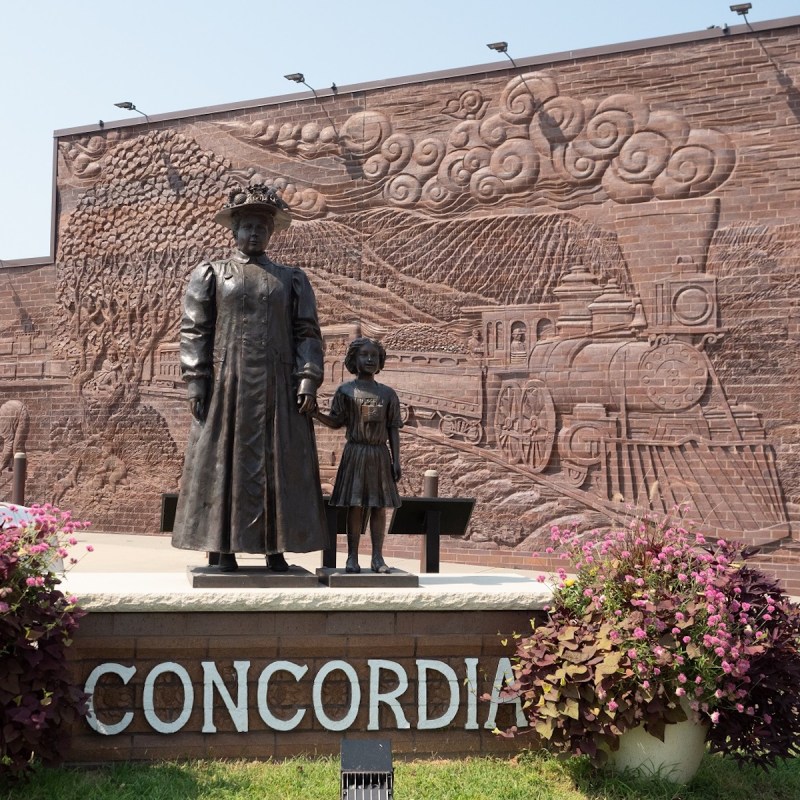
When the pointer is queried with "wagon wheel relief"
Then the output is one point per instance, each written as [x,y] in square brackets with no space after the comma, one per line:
[525,423]
[506,421]
[452,427]
[538,420]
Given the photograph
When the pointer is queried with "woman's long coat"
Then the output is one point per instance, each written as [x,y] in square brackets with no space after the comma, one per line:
[250,480]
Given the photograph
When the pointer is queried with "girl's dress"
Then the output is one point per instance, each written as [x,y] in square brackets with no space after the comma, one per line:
[364,478]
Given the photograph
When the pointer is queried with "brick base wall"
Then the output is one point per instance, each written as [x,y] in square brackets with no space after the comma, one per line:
[388,645]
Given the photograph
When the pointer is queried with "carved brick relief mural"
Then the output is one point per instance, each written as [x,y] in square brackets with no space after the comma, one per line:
[574,297]
[534,142]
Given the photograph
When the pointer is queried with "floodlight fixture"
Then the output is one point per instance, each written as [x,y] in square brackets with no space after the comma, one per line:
[128,106]
[502,47]
[298,77]
[741,9]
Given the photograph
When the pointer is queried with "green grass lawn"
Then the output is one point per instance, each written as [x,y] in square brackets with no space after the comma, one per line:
[526,777]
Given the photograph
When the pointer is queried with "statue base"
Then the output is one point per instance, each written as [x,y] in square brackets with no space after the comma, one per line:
[367,579]
[251,578]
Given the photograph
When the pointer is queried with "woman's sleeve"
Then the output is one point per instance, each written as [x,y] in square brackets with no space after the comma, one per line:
[309,351]
[197,330]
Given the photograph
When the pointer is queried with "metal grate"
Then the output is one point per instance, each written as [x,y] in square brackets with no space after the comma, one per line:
[367,772]
[367,785]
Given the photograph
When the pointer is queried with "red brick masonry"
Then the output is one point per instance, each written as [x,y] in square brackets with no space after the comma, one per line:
[374,651]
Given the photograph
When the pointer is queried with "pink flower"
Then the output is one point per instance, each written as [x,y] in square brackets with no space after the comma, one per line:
[680,691]
[682,678]
[715,717]
[89,548]
[612,706]
[639,633]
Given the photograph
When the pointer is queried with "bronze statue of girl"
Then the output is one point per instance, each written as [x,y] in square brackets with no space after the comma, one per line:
[366,481]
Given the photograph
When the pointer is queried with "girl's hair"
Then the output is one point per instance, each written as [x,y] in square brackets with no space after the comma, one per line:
[356,345]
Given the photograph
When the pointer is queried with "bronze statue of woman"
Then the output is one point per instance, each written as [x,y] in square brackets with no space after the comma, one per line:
[252,357]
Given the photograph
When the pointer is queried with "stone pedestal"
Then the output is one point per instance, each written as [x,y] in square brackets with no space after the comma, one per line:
[250,578]
[366,579]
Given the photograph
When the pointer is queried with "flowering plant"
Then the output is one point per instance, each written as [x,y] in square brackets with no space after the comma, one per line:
[658,623]
[38,702]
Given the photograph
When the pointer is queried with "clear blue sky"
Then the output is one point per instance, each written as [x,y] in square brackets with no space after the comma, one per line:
[64,64]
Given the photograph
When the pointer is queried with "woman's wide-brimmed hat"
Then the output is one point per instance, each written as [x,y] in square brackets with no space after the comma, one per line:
[256,199]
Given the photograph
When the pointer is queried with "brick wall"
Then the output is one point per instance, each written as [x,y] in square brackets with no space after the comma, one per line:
[625,217]
[308,639]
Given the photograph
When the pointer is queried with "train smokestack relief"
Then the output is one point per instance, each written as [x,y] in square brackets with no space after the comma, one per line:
[665,245]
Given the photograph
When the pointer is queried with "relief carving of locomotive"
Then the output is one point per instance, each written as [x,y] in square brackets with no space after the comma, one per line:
[605,394]
[608,396]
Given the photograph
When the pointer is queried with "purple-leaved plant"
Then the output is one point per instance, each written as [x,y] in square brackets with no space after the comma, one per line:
[38,701]
[656,622]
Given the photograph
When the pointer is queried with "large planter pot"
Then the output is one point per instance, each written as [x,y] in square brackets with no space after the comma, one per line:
[676,759]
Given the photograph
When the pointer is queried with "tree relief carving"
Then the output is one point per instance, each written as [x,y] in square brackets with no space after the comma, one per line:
[83,156]
[539,145]
[124,255]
